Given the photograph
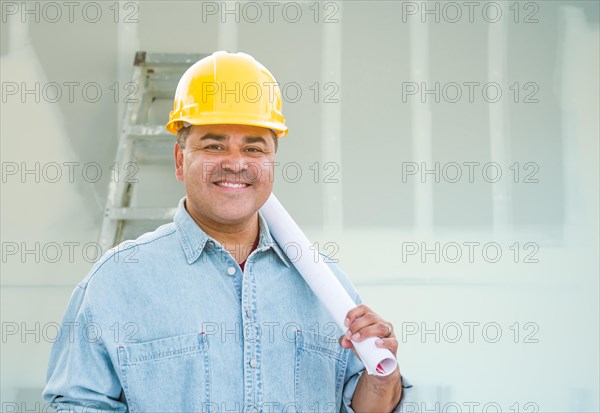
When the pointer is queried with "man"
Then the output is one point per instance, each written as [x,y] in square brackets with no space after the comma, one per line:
[208,313]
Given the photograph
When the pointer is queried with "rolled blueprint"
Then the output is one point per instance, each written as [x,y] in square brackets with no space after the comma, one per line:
[324,284]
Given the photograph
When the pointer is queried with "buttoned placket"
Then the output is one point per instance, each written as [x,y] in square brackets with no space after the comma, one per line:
[251,342]
[251,339]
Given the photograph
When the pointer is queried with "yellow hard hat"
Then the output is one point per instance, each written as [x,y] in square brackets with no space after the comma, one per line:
[228,88]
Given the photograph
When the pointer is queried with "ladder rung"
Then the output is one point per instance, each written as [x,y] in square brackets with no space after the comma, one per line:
[137,214]
[168,59]
[150,133]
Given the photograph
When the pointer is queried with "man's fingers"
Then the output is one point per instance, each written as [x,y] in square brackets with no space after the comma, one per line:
[345,343]
[356,312]
[374,330]
[363,321]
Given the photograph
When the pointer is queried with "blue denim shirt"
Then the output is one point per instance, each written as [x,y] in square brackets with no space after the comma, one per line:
[170,323]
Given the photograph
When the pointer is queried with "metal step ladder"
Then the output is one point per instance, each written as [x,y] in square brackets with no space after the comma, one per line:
[140,195]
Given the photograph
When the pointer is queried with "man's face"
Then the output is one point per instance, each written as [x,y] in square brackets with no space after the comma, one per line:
[227,171]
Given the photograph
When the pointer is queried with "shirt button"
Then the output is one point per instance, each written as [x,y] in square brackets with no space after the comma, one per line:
[231,271]
[253,363]
[249,313]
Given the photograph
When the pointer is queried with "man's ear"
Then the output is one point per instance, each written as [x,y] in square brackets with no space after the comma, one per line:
[178,154]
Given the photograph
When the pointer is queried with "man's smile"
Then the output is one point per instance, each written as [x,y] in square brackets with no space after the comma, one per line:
[231,184]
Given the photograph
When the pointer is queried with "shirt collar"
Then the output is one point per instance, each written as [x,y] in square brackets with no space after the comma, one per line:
[266,241]
[193,239]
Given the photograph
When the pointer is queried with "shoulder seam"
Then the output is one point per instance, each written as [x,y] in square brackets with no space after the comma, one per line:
[115,251]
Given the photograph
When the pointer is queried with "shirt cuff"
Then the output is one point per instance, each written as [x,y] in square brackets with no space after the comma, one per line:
[350,387]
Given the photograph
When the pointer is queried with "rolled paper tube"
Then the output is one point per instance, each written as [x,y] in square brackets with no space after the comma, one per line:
[324,284]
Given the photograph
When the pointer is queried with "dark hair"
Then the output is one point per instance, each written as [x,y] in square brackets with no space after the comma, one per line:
[183,133]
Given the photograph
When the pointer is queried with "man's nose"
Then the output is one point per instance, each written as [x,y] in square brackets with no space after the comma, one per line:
[234,161]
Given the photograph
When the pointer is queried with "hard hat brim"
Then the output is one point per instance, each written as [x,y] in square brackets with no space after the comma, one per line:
[279,129]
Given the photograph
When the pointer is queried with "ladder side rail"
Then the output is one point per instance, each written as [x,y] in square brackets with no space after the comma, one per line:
[116,190]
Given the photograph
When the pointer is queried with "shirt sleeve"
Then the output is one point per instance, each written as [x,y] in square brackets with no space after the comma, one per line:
[350,387]
[81,376]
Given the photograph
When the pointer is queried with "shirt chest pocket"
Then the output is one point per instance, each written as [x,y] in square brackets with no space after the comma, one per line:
[166,375]
[320,368]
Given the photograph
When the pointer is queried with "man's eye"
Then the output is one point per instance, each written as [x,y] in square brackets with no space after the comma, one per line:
[213,147]
[254,149]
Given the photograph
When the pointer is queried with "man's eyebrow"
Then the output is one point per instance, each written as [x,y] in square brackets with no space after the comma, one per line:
[212,136]
[222,138]
[254,139]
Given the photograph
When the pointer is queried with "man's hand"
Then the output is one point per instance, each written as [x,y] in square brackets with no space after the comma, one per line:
[373,393]
[362,323]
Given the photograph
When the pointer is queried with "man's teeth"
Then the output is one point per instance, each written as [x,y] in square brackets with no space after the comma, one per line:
[232,185]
